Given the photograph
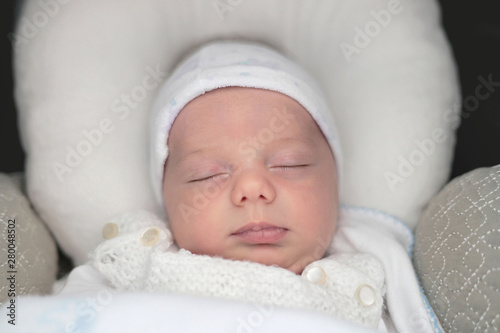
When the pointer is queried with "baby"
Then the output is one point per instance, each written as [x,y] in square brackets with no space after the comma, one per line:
[249,173]
[247,165]
[268,200]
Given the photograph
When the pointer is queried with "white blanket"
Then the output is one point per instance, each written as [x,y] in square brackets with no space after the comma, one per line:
[142,312]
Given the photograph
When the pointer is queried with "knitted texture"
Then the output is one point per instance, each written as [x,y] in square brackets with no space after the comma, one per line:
[130,265]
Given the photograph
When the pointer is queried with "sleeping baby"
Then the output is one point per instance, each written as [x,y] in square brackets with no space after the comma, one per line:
[246,161]
[268,203]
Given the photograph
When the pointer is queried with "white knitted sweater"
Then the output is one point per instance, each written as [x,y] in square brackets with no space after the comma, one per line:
[139,255]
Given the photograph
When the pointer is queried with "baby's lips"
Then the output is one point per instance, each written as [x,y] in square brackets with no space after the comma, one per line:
[260,233]
[255,226]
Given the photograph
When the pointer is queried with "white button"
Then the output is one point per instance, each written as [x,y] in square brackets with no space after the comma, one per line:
[110,230]
[365,295]
[316,275]
[150,236]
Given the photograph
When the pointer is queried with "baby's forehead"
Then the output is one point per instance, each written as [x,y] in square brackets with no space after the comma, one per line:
[265,107]
[237,111]
[255,97]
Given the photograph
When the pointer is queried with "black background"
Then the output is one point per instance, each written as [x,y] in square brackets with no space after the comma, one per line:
[11,154]
[474,32]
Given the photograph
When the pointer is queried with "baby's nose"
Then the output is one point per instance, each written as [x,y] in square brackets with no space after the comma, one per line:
[252,187]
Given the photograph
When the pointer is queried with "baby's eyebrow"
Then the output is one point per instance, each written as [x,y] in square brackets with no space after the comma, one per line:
[192,153]
[294,140]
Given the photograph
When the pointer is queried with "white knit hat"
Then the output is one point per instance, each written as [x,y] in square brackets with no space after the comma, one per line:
[228,64]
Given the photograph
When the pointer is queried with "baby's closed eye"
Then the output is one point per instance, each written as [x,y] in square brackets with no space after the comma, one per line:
[205,171]
[211,177]
[290,161]
[291,171]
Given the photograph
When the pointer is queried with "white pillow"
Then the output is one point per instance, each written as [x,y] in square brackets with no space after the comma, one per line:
[87,72]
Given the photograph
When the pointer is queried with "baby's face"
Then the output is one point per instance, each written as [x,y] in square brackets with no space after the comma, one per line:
[250,176]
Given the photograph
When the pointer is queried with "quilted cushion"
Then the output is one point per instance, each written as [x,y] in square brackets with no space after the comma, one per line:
[26,238]
[457,252]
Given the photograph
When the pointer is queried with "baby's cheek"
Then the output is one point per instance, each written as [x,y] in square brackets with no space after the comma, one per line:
[180,205]
[320,212]
[204,241]
[315,202]
[195,232]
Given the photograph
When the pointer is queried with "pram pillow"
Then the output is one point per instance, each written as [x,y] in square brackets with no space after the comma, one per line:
[87,72]
[457,252]
[28,248]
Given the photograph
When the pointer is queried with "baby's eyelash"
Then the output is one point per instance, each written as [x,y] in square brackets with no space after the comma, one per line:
[213,177]
[219,176]
[290,167]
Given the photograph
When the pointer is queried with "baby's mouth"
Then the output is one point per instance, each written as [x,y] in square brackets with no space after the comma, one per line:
[260,233]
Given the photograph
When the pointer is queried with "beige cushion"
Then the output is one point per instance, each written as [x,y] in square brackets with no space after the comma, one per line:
[35,250]
[457,252]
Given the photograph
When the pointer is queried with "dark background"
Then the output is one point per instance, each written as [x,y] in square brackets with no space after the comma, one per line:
[11,154]
[474,32]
